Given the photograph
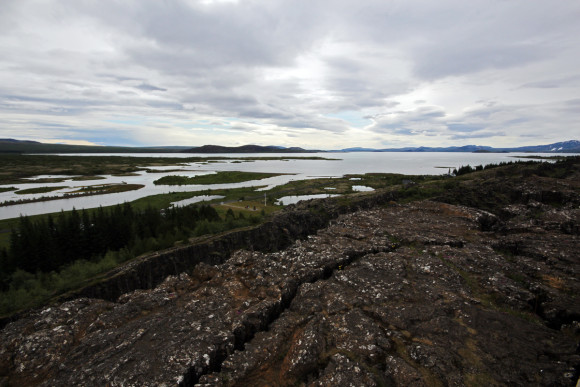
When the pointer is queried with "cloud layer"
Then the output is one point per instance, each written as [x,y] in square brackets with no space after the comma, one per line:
[318,73]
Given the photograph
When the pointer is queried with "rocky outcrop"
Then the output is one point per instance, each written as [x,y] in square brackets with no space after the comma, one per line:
[297,222]
[424,293]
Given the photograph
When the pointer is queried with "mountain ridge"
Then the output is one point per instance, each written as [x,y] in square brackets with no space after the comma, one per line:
[25,146]
[570,146]
[247,149]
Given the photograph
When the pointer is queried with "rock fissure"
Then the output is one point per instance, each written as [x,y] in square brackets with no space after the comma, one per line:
[246,332]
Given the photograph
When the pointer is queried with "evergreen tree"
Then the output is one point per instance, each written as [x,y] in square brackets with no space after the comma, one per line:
[51,244]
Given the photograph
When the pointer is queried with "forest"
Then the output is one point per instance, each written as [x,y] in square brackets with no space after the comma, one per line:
[52,254]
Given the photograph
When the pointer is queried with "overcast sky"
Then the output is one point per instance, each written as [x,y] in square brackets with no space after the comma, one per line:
[319,74]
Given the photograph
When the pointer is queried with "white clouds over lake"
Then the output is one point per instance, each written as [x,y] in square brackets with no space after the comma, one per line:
[318,73]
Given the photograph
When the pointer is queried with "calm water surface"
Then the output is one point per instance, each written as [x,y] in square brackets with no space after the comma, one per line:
[347,163]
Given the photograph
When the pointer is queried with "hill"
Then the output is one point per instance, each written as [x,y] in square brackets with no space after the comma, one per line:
[8,145]
[247,149]
[572,146]
[19,146]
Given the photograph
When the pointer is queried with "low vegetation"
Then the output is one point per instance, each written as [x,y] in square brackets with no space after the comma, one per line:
[86,178]
[51,255]
[38,190]
[465,169]
[214,178]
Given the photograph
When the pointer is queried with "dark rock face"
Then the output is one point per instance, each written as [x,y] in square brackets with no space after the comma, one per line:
[296,223]
[421,294]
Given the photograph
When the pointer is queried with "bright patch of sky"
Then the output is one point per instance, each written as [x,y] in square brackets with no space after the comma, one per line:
[318,74]
[354,119]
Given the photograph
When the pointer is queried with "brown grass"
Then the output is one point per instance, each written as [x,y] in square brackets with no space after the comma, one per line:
[554,282]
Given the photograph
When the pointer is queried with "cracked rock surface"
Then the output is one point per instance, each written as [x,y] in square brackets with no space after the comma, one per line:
[419,294]
[441,307]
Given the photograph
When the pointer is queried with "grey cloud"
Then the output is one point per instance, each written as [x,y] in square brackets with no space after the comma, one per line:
[306,121]
[52,125]
[504,37]
[441,61]
[241,128]
[426,114]
[483,122]
[147,87]
[554,83]
[36,105]
[244,33]
[361,81]
[165,105]
[468,136]
[265,113]
[400,117]
[465,128]
[120,78]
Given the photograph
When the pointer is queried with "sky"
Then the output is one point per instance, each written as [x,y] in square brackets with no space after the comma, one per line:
[318,74]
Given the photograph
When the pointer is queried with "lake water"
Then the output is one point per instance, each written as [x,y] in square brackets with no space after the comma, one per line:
[287,200]
[409,163]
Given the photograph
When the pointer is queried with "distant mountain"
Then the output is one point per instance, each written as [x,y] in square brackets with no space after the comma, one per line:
[246,149]
[464,148]
[19,146]
[175,148]
[359,149]
[572,146]
[13,141]
[8,145]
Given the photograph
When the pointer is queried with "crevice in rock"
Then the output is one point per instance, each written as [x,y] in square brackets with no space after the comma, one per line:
[245,332]
[556,319]
[515,248]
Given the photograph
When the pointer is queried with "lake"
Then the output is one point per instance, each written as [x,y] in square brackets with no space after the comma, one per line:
[409,163]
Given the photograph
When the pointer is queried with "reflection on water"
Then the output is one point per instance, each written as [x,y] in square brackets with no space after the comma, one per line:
[362,188]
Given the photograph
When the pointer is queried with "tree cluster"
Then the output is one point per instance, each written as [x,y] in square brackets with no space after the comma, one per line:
[51,243]
[465,169]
